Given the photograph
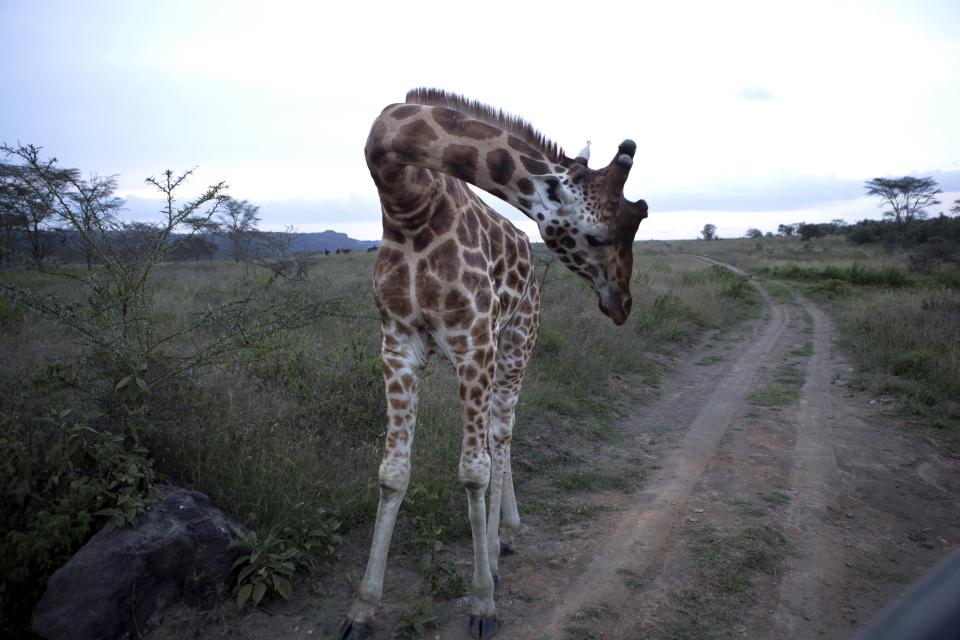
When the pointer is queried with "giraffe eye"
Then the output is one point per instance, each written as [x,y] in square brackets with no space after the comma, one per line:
[597,242]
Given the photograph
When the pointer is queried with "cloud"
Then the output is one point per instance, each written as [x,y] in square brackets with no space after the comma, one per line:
[783,194]
[758,94]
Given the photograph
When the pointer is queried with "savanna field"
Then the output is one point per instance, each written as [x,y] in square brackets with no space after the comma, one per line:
[280,423]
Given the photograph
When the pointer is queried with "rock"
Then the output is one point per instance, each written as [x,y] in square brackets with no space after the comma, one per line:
[116,586]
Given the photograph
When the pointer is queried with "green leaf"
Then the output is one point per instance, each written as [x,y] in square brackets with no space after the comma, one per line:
[282,585]
[239,561]
[243,594]
[123,383]
[246,571]
[259,591]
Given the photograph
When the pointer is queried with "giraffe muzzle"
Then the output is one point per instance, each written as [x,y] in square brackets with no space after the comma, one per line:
[617,309]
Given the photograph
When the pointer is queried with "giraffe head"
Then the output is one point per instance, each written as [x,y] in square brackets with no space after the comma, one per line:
[587,222]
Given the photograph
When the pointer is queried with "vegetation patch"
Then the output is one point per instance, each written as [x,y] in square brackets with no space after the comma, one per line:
[855,274]
[625,480]
[788,381]
[725,584]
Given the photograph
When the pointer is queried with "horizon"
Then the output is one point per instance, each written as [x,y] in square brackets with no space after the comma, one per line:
[746,115]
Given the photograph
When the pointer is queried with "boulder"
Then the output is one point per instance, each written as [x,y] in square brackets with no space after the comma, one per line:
[118,583]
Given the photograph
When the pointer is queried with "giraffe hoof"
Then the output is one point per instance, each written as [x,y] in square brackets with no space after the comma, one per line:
[506,550]
[350,630]
[482,627]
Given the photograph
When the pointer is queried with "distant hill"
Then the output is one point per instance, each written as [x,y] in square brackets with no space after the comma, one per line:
[330,241]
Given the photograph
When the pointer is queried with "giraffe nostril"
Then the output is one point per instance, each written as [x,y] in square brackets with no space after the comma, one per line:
[627,305]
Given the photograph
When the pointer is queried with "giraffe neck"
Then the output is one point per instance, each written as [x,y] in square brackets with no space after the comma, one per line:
[408,138]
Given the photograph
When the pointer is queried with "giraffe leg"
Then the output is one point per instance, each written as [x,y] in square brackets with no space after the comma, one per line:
[511,516]
[475,370]
[501,430]
[513,354]
[403,364]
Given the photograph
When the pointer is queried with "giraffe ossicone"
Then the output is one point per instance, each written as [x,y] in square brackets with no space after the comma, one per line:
[455,278]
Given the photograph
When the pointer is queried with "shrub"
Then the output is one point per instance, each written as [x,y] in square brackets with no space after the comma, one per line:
[62,476]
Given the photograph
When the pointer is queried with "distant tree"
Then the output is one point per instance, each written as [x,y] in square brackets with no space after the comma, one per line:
[95,206]
[955,209]
[808,231]
[787,230]
[238,222]
[709,232]
[754,233]
[195,247]
[906,197]
[768,234]
[28,197]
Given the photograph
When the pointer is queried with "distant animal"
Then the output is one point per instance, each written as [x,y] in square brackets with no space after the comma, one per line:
[455,278]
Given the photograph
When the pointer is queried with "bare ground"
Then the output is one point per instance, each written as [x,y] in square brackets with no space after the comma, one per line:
[858,503]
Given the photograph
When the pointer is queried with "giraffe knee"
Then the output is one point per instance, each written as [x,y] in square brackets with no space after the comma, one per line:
[394,476]
[475,470]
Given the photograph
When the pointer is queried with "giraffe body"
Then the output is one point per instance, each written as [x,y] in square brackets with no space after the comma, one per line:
[455,278]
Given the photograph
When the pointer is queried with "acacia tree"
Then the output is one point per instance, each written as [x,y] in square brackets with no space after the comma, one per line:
[754,233]
[907,197]
[709,232]
[28,195]
[238,223]
[787,230]
[955,209]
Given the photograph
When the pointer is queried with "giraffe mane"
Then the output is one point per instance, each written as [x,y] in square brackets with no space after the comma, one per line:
[491,115]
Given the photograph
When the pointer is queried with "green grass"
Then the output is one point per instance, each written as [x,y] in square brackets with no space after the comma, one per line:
[580,480]
[776,498]
[784,391]
[725,582]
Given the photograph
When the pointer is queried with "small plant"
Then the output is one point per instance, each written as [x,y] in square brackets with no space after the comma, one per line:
[418,617]
[265,569]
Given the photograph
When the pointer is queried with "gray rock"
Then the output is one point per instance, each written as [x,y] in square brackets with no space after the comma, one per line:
[120,581]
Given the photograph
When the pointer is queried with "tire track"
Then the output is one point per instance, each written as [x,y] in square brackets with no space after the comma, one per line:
[815,482]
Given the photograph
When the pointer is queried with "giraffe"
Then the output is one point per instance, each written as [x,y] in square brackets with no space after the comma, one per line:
[455,278]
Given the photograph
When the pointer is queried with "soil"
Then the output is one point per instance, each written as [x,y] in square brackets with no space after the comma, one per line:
[866,502]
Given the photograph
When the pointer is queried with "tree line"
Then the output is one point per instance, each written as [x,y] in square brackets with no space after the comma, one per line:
[906,219]
[51,216]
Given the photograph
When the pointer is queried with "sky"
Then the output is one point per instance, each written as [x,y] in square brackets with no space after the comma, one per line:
[746,114]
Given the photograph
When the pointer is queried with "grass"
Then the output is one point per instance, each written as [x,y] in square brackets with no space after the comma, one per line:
[706,361]
[902,327]
[582,480]
[724,584]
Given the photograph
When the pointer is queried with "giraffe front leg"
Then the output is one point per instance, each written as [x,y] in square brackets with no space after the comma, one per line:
[501,429]
[476,380]
[509,539]
[403,368]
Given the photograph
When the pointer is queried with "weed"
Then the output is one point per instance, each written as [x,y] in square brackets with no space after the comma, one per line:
[727,566]
[777,498]
[416,619]
[706,361]
[265,568]
[803,352]
[597,480]
[631,578]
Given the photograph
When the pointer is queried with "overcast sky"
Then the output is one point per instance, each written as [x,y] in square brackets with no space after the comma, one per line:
[746,114]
